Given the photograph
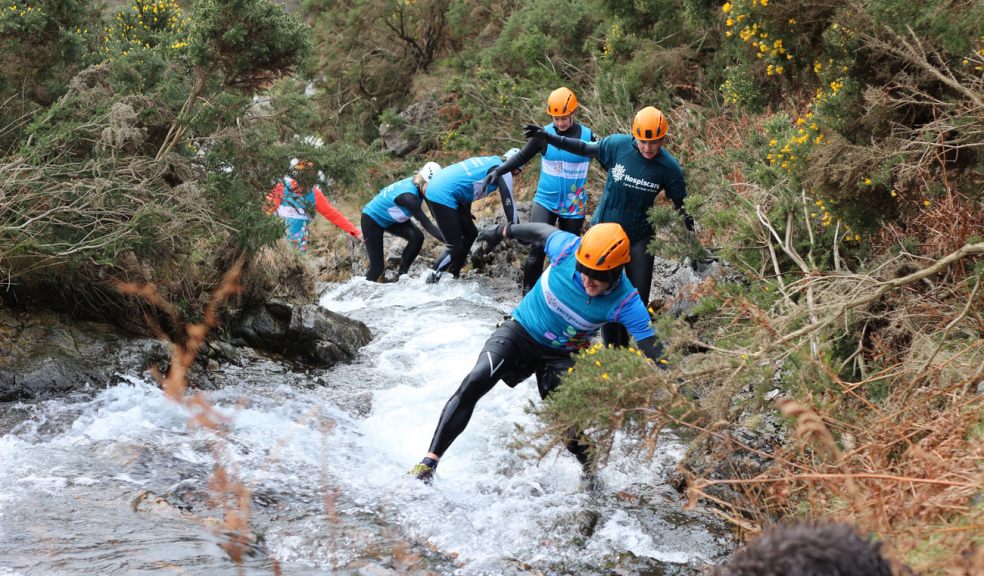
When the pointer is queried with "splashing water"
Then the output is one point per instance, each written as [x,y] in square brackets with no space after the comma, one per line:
[116,481]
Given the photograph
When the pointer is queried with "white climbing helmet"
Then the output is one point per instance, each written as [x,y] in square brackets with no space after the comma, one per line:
[428,171]
[509,154]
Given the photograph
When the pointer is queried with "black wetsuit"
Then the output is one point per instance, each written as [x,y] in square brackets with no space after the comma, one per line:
[511,355]
[449,196]
[372,233]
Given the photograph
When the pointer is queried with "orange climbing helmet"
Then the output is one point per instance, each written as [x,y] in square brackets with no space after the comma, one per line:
[603,248]
[561,102]
[650,124]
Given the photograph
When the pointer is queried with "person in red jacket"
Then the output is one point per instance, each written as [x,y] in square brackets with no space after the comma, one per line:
[289,201]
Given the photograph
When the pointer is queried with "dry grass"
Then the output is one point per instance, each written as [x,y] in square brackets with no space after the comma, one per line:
[896,448]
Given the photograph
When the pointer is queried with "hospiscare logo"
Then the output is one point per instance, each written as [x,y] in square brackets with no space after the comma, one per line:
[618,174]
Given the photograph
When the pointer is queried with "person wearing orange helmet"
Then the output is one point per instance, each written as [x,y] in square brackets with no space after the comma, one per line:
[295,206]
[561,197]
[583,288]
[639,168]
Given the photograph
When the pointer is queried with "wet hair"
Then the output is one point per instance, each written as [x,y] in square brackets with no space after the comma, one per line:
[828,549]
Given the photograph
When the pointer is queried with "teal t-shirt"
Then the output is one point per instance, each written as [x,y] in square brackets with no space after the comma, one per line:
[633,184]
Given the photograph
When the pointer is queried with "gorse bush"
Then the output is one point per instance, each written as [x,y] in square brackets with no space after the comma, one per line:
[160,154]
[146,24]
[44,43]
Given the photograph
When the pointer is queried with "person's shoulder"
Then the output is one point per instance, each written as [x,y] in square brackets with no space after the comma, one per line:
[667,159]
[626,293]
[617,140]
[587,130]
[560,242]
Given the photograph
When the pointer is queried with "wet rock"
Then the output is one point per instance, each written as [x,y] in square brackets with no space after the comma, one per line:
[587,522]
[44,355]
[306,333]
[377,570]
[676,283]
[504,264]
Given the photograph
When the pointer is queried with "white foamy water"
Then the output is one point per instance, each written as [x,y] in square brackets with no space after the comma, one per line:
[118,482]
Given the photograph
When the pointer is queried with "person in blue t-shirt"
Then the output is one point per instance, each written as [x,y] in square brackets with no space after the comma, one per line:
[639,168]
[390,211]
[561,199]
[584,287]
[450,195]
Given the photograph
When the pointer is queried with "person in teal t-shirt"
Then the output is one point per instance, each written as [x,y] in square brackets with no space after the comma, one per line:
[639,168]
[450,195]
[390,211]
[561,197]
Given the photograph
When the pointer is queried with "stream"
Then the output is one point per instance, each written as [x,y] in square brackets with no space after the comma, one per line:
[114,480]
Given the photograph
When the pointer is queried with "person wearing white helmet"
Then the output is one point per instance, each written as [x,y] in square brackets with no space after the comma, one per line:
[450,195]
[390,211]
[289,200]
[561,197]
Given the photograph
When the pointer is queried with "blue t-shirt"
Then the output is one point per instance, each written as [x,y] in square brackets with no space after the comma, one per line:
[461,183]
[562,178]
[633,184]
[383,208]
[559,314]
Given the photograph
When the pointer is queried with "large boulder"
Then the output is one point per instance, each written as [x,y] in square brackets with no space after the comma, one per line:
[306,333]
[44,355]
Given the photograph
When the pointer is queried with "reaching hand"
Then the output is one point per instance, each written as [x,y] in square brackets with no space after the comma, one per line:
[534,131]
[491,235]
[488,181]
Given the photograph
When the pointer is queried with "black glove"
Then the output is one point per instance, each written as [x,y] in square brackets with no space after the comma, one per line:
[688,222]
[534,131]
[491,235]
[489,181]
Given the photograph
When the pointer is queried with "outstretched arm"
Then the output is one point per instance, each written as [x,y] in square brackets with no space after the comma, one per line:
[504,184]
[532,148]
[325,208]
[412,203]
[573,145]
[528,233]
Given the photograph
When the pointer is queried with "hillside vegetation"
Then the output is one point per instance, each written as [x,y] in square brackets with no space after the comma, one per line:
[833,154]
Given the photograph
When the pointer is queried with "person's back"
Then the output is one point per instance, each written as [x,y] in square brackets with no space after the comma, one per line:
[383,208]
[461,183]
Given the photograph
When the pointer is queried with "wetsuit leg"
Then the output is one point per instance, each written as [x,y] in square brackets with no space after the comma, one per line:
[372,233]
[548,379]
[415,239]
[640,273]
[450,225]
[500,358]
[468,234]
